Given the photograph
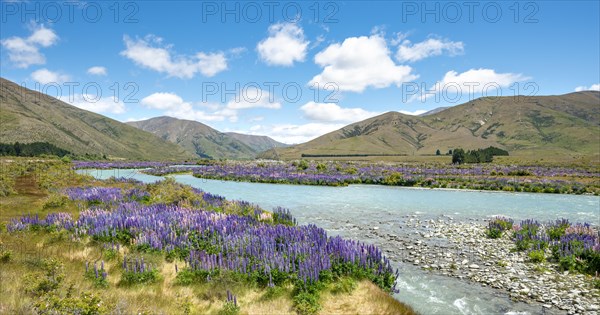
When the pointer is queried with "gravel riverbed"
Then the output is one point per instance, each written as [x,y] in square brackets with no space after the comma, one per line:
[461,250]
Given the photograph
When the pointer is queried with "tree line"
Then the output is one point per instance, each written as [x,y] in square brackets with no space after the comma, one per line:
[460,156]
[31,149]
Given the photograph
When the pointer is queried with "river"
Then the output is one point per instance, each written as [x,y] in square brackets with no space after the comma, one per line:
[367,212]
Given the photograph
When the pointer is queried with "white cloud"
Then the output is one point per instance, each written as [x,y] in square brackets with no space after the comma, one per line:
[175,106]
[329,112]
[413,113]
[97,70]
[26,51]
[45,76]
[593,87]
[252,97]
[471,82]
[408,52]
[95,104]
[150,53]
[481,77]
[284,46]
[291,134]
[360,62]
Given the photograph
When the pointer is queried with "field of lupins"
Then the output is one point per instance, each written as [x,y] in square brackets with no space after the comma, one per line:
[575,247]
[477,176]
[209,241]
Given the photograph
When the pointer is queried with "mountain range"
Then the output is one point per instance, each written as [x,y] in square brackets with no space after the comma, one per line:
[204,141]
[524,125]
[27,116]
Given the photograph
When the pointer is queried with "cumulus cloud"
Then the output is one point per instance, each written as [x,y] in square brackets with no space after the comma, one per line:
[24,52]
[481,78]
[97,70]
[471,82]
[413,113]
[593,87]
[408,52]
[330,112]
[173,105]
[45,76]
[96,104]
[150,53]
[358,63]
[292,133]
[284,46]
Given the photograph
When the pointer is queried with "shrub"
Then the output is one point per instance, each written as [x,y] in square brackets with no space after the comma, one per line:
[273,293]
[86,303]
[536,256]
[5,256]
[306,303]
[497,226]
[55,201]
[557,229]
[344,286]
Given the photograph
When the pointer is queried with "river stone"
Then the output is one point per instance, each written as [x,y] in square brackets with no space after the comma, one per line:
[474,266]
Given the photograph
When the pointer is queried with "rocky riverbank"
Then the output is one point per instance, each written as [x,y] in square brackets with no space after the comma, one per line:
[461,250]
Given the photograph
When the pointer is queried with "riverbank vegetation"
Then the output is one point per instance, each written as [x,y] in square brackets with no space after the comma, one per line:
[72,244]
[492,177]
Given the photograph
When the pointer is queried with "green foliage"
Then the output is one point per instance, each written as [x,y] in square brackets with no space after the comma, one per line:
[272,293]
[187,276]
[168,191]
[48,280]
[459,156]
[31,149]
[229,308]
[556,231]
[536,256]
[55,200]
[344,285]
[302,165]
[85,304]
[321,167]
[110,254]
[5,256]
[497,226]
[130,277]
[306,303]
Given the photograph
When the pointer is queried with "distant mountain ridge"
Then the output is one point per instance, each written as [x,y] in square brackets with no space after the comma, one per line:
[204,141]
[28,116]
[563,125]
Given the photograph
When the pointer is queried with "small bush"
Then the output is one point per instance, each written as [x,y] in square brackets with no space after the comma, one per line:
[497,226]
[344,286]
[307,303]
[229,309]
[55,201]
[273,293]
[536,256]
[144,277]
[5,256]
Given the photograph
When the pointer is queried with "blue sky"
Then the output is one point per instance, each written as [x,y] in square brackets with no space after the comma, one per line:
[295,70]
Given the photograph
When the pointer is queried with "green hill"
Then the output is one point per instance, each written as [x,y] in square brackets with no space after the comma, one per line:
[558,125]
[27,116]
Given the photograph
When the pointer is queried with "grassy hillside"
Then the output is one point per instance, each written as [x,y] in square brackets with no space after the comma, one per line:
[196,138]
[27,116]
[530,126]
[257,143]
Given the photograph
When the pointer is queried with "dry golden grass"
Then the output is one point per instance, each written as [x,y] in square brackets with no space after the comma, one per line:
[366,299]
